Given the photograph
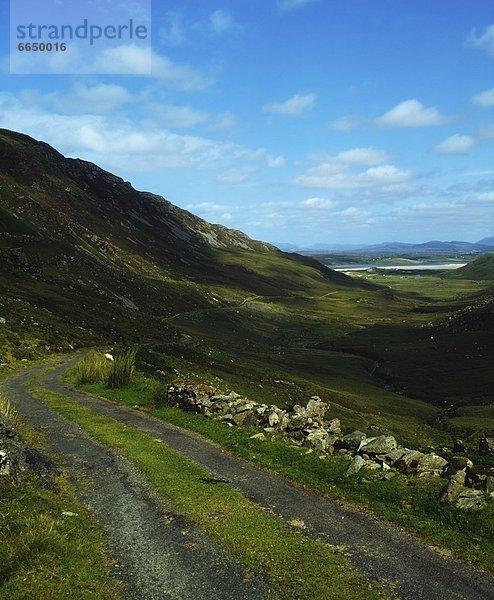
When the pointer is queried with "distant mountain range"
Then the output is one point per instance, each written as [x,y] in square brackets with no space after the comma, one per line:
[432,247]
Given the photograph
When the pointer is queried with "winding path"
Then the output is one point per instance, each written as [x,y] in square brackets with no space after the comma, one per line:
[409,567]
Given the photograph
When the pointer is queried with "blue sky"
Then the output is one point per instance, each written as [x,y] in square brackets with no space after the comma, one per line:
[303,121]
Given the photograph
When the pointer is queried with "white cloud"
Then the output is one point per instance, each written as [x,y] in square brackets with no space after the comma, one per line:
[96,99]
[339,171]
[294,106]
[484,197]
[329,176]
[235,175]
[455,144]
[348,123]
[319,203]
[484,99]
[362,156]
[134,59]
[275,162]
[126,58]
[118,143]
[174,33]
[411,113]
[287,5]
[182,117]
[485,40]
[222,21]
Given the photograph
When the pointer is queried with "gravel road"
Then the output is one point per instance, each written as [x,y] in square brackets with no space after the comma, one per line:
[411,569]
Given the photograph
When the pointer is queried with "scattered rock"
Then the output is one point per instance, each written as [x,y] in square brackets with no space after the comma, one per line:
[13,464]
[459,446]
[351,441]
[430,464]
[454,487]
[486,445]
[408,463]
[379,445]
[316,409]
[469,499]
[391,458]
[355,466]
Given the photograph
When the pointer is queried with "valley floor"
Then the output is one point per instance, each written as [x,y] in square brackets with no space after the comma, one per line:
[162,554]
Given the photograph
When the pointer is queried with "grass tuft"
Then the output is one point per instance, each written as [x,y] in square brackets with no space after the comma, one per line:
[8,410]
[93,368]
[122,369]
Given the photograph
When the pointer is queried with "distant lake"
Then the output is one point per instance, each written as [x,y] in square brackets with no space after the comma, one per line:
[414,267]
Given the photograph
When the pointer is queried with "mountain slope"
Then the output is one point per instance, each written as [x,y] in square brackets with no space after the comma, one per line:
[480,268]
[85,257]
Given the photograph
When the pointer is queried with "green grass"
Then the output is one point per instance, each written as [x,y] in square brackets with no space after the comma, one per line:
[407,501]
[122,369]
[45,554]
[93,368]
[296,565]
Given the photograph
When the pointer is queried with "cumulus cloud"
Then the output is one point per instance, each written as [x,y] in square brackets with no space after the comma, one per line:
[484,40]
[455,144]
[341,171]
[181,117]
[222,21]
[118,143]
[324,177]
[411,113]
[362,156]
[294,106]
[484,99]
[130,59]
[348,123]
[97,98]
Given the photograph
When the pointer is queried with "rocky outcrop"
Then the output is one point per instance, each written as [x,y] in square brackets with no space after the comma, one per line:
[370,457]
[13,453]
[486,445]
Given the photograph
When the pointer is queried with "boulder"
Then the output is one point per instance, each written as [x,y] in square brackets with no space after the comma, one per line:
[409,461]
[430,465]
[391,458]
[486,445]
[469,499]
[355,466]
[273,419]
[480,478]
[351,441]
[316,439]
[454,487]
[459,446]
[455,464]
[379,445]
[13,453]
[333,426]
[240,418]
[316,409]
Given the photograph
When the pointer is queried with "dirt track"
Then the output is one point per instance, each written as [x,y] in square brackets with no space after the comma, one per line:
[166,567]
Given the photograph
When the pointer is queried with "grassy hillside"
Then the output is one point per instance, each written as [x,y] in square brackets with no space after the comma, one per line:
[87,260]
[481,268]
